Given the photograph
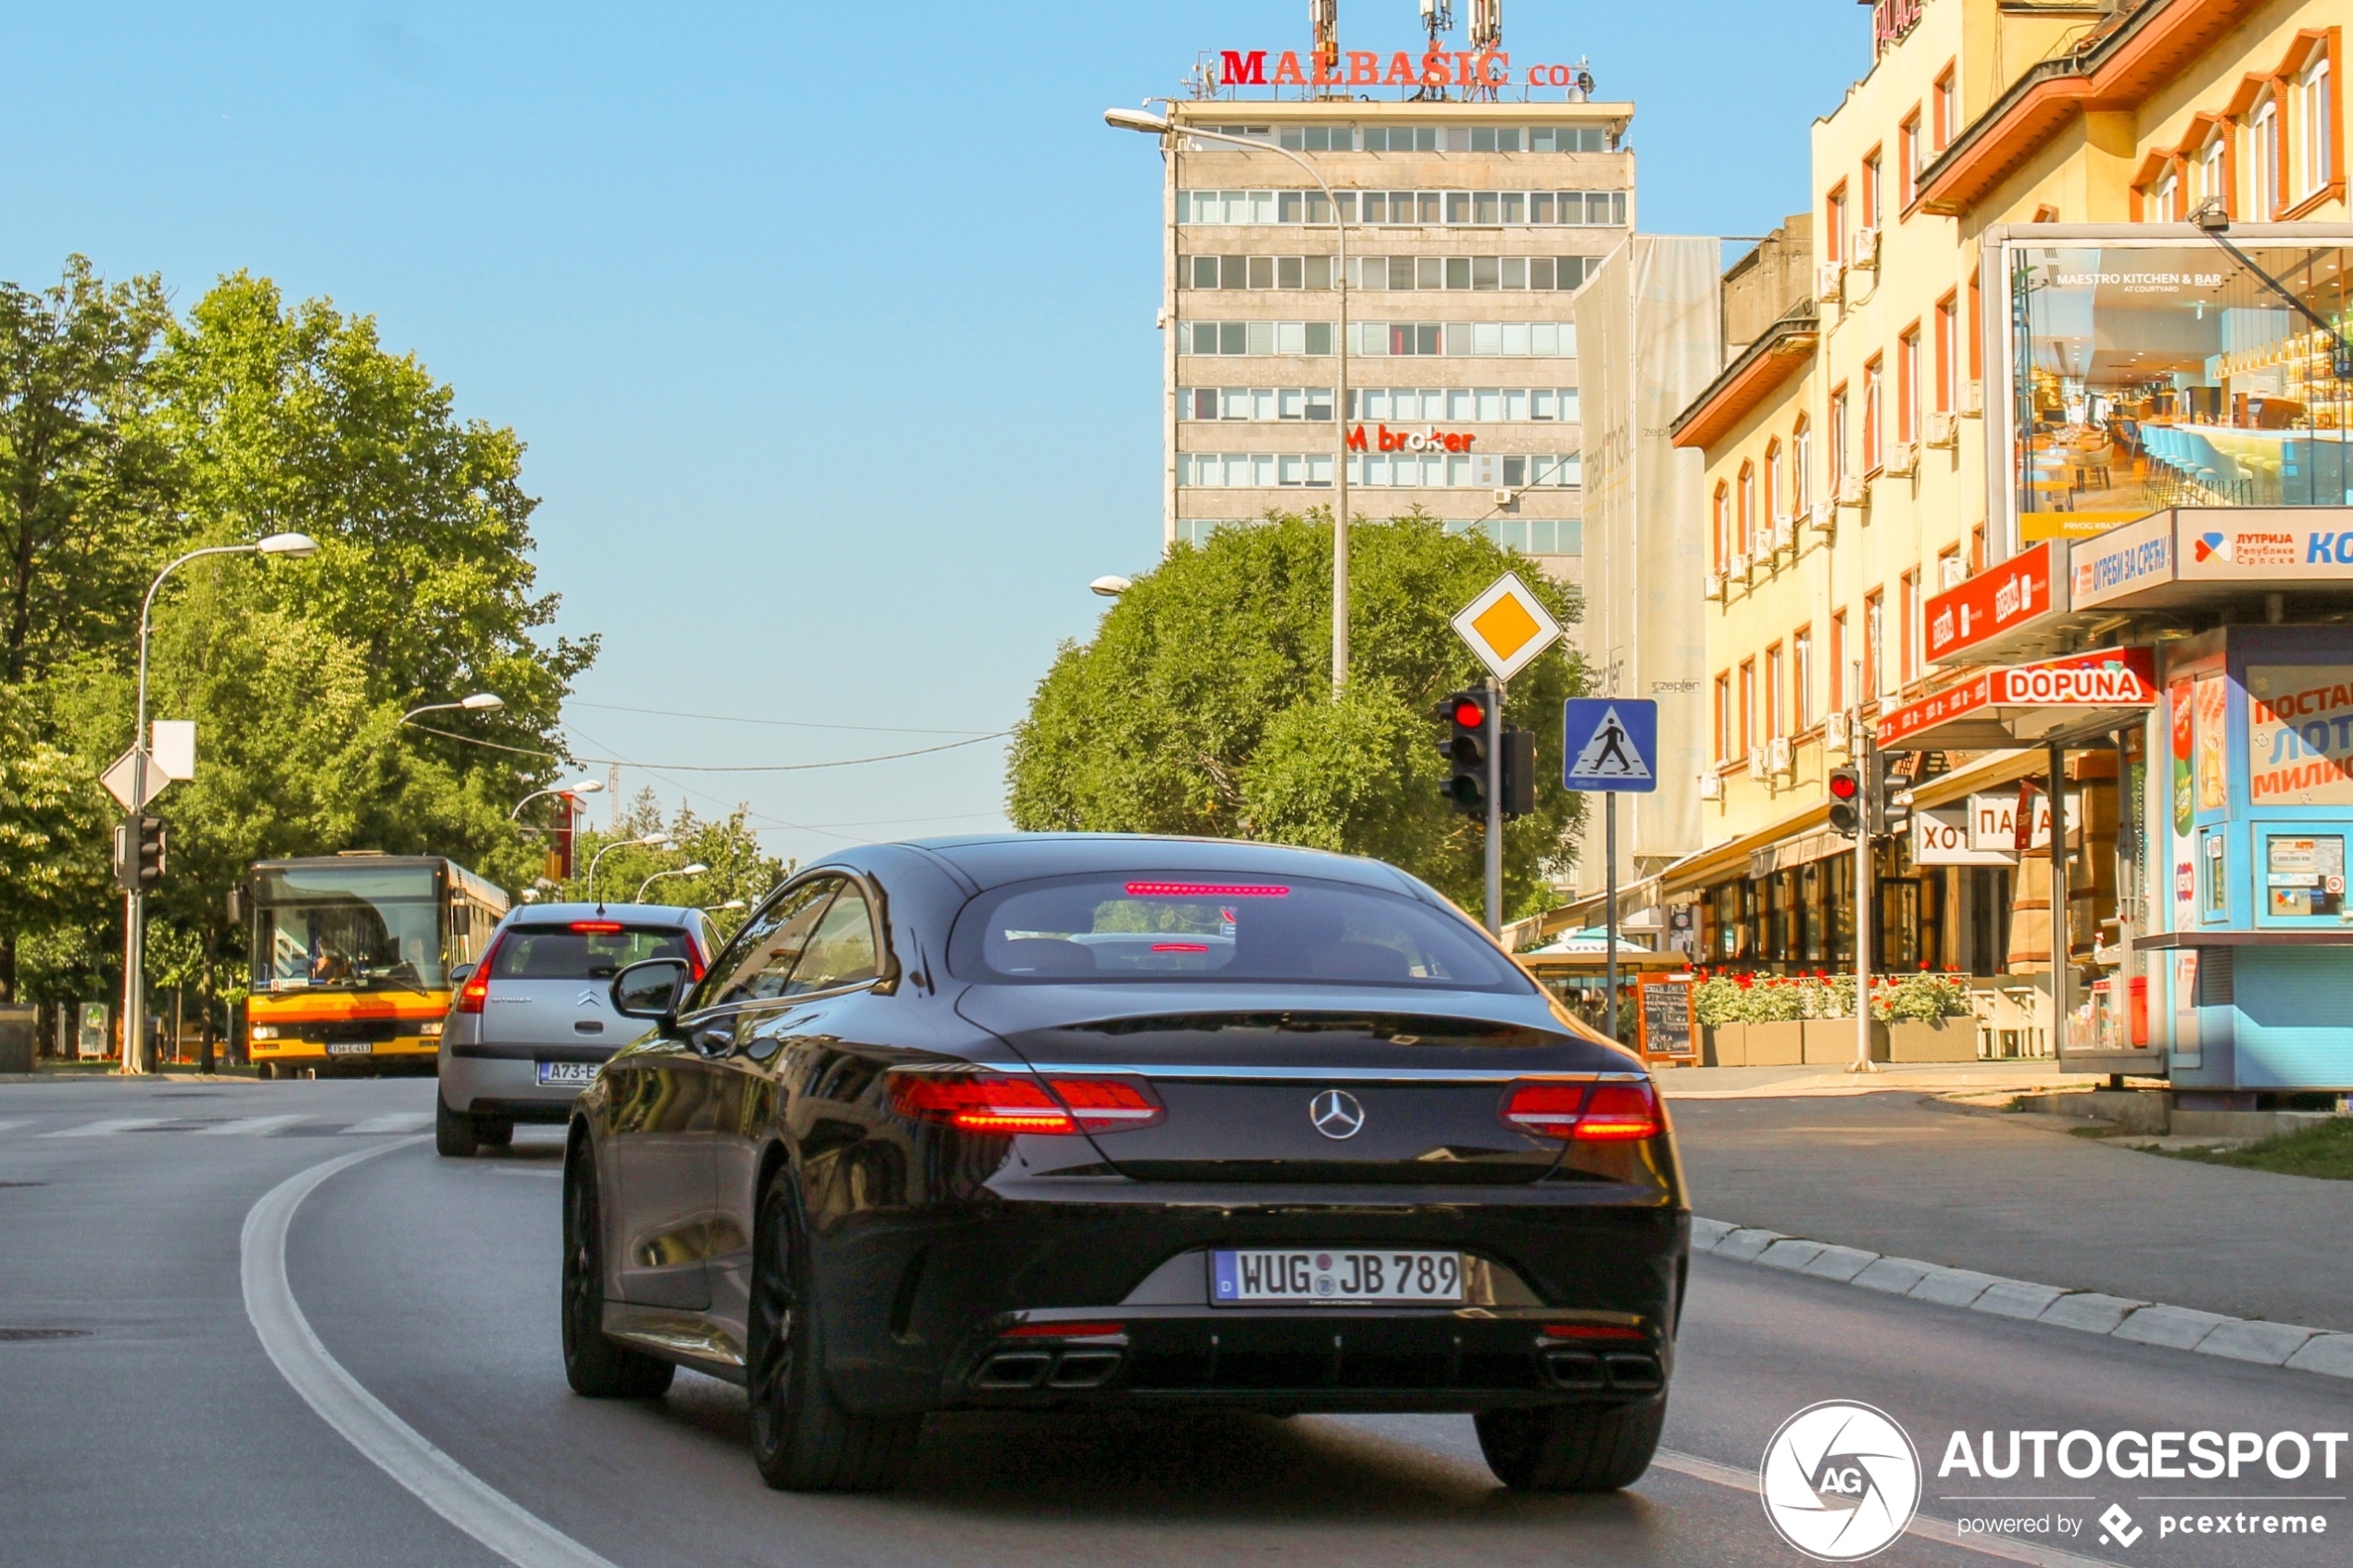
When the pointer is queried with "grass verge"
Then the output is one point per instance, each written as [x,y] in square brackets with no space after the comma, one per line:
[2325,1151]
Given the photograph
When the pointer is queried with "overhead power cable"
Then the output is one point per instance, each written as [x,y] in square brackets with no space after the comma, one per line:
[781,724]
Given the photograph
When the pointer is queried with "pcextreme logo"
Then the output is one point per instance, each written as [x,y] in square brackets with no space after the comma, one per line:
[1840,1481]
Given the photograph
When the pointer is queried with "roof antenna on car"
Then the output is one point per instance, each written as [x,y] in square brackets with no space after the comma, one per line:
[656,841]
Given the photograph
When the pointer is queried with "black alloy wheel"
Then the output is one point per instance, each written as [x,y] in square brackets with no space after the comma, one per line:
[801,1439]
[595,1366]
[455,1136]
[1571,1447]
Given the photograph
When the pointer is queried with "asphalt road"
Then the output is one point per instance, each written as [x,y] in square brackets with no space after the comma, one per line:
[162,1433]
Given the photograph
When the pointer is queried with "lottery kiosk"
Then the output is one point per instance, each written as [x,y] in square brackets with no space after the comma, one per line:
[2251,805]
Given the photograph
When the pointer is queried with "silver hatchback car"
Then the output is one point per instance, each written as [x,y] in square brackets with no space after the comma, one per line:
[531,1025]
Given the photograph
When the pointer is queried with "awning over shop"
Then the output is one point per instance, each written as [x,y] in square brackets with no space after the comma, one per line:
[2085,693]
[1790,852]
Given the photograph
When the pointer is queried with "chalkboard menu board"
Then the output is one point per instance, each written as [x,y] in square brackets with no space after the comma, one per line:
[1666,1018]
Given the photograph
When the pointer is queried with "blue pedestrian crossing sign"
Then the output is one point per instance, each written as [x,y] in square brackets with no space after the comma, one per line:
[1610,743]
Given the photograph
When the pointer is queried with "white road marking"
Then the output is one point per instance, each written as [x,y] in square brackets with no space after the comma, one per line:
[249,1127]
[399,1121]
[1938,1530]
[403,1453]
[111,1124]
[18,1123]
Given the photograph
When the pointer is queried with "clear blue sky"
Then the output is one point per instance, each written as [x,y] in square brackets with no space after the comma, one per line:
[830,331]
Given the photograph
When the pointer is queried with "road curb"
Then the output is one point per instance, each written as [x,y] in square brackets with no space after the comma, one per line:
[2258,1340]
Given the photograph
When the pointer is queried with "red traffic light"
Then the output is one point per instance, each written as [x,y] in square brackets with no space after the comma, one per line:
[1469,713]
[1845,783]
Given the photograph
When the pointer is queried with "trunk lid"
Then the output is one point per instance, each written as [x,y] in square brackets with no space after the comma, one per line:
[550,983]
[1336,1085]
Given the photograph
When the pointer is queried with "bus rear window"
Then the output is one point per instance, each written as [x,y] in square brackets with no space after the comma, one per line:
[562,952]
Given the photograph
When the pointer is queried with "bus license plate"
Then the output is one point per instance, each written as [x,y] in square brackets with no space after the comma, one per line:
[581,1073]
[1312,1277]
[351,1047]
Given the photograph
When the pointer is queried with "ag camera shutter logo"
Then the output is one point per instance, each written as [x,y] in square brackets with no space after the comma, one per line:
[1840,1481]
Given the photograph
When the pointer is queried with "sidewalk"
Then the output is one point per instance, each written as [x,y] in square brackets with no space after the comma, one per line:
[2005,1195]
[1929,1077]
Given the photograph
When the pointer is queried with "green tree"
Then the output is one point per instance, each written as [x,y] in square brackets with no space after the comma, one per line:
[738,867]
[84,487]
[1203,704]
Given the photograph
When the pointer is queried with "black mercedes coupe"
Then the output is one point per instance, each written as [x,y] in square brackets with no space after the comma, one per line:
[1070,1121]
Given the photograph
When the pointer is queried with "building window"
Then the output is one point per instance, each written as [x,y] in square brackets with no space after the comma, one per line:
[1722,526]
[1776,501]
[1748,706]
[1801,679]
[1723,719]
[1908,659]
[1946,310]
[1908,161]
[1480,340]
[1874,372]
[1253,470]
[2214,169]
[1748,508]
[1834,231]
[1463,405]
[1800,462]
[1907,385]
[1874,634]
[1255,402]
[1837,453]
[1945,108]
[2266,144]
[1771,712]
[1834,677]
[1555,208]
[1872,194]
[2316,126]
[1249,338]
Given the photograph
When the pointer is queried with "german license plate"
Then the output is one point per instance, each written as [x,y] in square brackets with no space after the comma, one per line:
[1318,1276]
[580,1073]
[351,1047]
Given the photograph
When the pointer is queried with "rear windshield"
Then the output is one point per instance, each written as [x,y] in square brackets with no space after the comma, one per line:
[1160,928]
[563,952]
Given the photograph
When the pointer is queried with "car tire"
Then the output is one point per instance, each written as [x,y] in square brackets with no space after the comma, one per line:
[494,1131]
[264,1070]
[801,1439]
[1571,1447]
[595,1366]
[455,1137]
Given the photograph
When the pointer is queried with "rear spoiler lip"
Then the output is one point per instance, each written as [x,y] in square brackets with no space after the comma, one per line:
[1230,1072]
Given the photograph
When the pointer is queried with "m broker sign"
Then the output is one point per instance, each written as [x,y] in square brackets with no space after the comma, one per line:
[1431,440]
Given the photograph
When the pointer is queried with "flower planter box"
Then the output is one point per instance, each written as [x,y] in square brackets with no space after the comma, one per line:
[1829,1042]
[1724,1045]
[1777,1045]
[1943,1039]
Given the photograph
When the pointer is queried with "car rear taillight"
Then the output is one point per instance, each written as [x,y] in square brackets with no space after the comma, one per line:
[476,990]
[1063,1329]
[1585,1113]
[1590,1331]
[597,927]
[1001,1102]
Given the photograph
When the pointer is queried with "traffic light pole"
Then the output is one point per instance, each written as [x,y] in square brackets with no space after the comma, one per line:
[1609,892]
[1494,806]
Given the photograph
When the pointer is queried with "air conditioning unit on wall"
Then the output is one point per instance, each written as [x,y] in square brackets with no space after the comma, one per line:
[1712,587]
[1834,732]
[1899,459]
[1711,786]
[1853,491]
[1778,761]
[1756,763]
[1973,399]
[1830,282]
[1943,429]
[1866,250]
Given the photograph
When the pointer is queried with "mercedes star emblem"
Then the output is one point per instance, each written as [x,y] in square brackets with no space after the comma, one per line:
[1336,1114]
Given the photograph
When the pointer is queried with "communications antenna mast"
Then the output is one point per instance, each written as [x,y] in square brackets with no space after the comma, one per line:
[1438,19]
[1486,36]
[1322,16]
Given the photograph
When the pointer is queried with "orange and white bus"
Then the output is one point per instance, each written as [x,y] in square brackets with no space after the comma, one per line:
[351,959]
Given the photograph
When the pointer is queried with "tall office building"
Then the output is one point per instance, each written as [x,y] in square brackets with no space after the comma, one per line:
[1470,226]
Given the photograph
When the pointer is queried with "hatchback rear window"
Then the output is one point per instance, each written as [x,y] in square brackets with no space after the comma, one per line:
[1166,927]
[587,950]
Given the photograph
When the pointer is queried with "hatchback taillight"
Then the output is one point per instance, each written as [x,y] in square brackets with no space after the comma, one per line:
[476,990]
[1001,1102]
[1585,1113]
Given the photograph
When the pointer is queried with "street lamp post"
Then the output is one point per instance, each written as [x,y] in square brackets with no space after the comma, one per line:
[480,702]
[695,868]
[1159,125]
[293,546]
[656,841]
[585,786]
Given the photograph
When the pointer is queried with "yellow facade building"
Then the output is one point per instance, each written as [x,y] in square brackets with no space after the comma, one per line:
[1854,474]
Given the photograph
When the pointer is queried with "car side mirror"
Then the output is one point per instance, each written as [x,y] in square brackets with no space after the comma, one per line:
[460,974]
[651,989]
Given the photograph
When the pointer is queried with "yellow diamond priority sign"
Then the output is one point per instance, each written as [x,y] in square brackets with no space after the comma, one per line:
[1507,626]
